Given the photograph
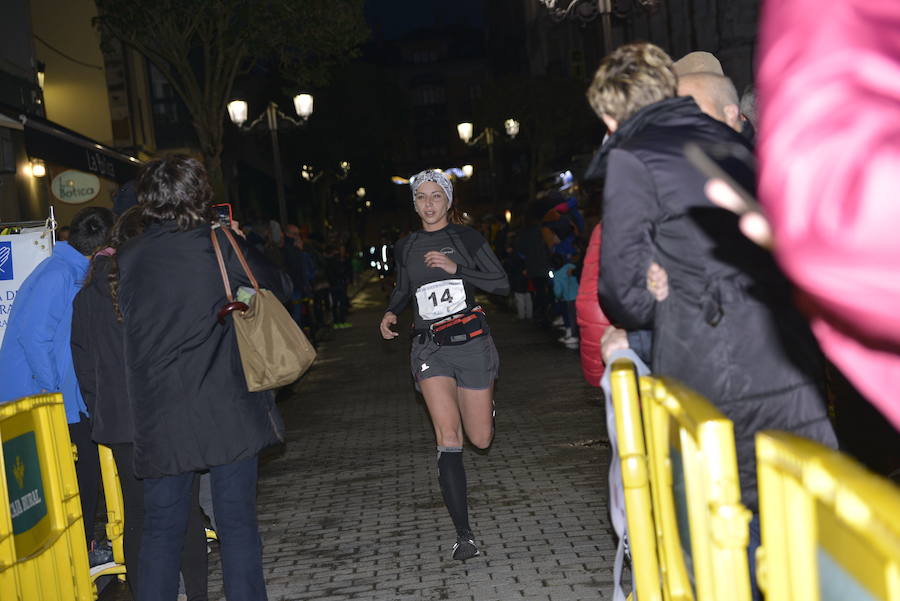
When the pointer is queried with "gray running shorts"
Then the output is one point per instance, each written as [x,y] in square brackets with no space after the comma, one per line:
[473,365]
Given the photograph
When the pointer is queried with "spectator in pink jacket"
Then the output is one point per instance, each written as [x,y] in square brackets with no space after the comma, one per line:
[829,84]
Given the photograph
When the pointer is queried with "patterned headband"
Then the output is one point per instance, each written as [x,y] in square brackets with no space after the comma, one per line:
[430,175]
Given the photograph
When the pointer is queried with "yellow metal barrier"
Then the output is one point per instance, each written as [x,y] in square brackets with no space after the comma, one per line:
[830,529]
[701,526]
[115,516]
[635,478]
[43,554]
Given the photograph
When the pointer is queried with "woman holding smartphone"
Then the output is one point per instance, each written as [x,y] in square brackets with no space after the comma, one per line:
[190,404]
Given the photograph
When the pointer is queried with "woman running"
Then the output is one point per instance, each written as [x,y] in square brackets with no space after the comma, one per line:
[453,358]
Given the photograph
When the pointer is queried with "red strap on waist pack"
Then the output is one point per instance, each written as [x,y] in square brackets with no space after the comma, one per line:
[451,321]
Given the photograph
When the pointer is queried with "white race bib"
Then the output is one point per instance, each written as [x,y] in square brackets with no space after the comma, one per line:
[440,299]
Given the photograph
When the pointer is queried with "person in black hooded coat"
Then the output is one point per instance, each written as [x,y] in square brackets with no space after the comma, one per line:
[728,327]
[100,367]
[191,407]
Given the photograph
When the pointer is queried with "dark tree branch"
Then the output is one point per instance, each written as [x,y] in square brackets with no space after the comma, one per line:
[201,46]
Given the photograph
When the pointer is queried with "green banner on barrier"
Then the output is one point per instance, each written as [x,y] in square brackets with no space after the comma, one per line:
[27,504]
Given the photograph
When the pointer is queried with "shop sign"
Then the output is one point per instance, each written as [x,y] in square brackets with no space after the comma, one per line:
[75,187]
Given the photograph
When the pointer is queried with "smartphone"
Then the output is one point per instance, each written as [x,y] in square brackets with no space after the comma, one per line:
[223,214]
[728,161]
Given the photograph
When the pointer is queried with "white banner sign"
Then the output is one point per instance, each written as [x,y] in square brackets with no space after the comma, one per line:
[19,255]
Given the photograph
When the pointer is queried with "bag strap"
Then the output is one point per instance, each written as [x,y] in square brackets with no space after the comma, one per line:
[221,261]
[240,256]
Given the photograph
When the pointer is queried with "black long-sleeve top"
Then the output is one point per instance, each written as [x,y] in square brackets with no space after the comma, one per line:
[436,293]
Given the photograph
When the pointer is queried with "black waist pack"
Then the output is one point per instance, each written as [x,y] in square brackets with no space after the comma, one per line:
[460,328]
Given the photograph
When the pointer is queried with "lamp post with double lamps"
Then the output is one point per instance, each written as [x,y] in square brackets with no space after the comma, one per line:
[588,10]
[303,105]
[488,136]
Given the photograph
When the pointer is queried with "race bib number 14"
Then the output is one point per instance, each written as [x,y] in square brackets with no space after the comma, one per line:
[440,299]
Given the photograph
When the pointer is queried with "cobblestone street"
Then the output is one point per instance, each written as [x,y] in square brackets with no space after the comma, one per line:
[352,509]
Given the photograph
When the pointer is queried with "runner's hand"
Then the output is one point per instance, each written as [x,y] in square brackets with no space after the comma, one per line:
[387,321]
[435,258]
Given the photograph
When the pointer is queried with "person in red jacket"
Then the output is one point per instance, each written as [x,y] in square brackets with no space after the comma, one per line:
[599,338]
[591,320]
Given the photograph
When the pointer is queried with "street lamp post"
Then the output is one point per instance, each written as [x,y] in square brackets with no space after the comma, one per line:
[465,131]
[312,175]
[588,10]
[303,106]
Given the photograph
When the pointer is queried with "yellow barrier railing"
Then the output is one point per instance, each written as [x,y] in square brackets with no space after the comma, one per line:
[43,554]
[701,526]
[636,480]
[115,516]
[830,529]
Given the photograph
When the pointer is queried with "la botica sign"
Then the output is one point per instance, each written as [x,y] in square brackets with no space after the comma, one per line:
[75,187]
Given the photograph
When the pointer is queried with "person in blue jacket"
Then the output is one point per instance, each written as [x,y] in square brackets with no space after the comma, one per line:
[36,355]
[565,289]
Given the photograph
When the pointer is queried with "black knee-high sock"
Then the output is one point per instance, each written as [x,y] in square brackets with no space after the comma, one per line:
[452,478]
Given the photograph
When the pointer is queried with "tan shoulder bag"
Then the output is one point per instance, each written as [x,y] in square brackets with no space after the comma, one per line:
[274,350]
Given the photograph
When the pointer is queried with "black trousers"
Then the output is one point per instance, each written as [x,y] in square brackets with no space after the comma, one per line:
[321,303]
[193,556]
[87,472]
[543,299]
[339,302]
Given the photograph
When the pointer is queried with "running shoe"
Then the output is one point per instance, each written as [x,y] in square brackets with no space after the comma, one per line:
[465,548]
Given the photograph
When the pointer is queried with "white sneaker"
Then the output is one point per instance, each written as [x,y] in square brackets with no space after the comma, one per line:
[569,339]
[557,321]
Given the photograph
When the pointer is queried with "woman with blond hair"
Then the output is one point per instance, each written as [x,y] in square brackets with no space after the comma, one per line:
[721,311]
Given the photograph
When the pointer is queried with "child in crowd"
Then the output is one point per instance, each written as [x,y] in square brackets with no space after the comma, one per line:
[565,289]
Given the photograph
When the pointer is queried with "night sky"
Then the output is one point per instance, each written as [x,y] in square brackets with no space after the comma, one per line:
[391,19]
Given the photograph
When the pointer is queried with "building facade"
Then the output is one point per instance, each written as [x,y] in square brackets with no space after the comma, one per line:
[726,28]
[56,128]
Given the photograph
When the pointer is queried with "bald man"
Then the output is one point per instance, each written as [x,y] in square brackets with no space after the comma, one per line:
[715,95]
